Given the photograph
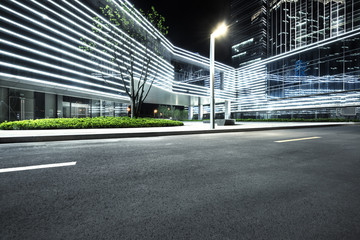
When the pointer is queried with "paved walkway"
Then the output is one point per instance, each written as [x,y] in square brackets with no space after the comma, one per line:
[13,136]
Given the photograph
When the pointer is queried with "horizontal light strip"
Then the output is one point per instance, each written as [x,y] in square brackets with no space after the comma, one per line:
[54,165]
[66,36]
[143,50]
[42,82]
[160,65]
[59,76]
[154,56]
[59,68]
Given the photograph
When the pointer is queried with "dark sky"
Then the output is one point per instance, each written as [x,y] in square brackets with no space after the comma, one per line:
[191,23]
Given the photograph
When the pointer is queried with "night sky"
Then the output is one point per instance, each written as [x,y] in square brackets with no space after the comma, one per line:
[191,23]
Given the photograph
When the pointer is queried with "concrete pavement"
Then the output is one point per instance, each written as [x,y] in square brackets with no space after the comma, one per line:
[14,136]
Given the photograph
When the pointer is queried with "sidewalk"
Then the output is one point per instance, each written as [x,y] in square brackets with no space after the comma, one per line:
[16,136]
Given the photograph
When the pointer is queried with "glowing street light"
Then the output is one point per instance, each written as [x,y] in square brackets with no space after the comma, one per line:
[155,112]
[220,30]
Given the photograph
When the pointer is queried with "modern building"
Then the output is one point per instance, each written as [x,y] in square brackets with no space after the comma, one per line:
[297,23]
[294,66]
[248,31]
[311,66]
[45,74]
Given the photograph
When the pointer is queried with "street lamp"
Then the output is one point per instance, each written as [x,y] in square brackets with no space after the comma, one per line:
[155,112]
[221,30]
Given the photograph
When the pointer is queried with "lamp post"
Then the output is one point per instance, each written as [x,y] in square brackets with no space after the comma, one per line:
[221,30]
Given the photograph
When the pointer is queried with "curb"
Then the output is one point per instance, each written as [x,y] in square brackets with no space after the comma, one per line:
[4,140]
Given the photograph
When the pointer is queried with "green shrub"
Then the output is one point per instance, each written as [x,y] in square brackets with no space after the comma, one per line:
[98,122]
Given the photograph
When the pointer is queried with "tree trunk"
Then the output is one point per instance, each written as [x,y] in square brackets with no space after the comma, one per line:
[132,90]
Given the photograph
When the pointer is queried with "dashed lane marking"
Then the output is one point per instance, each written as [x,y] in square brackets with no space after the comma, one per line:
[296,139]
[54,165]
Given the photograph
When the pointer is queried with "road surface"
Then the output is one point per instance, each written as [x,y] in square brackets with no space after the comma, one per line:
[280,184]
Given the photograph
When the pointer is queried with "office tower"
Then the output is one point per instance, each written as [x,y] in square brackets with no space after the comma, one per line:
[264,28]
[248,31]
[297,23]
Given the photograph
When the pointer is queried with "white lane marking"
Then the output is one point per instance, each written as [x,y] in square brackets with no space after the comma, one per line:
[296,139]
[15,169]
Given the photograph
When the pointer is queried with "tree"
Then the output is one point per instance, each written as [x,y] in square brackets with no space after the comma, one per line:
[130,48]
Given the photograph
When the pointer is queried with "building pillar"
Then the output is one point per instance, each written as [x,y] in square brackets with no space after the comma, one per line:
[191,112]
[50,105]
[227,114]
[4,104]
[59,106]
[101,108]
[201,110]
[22,108]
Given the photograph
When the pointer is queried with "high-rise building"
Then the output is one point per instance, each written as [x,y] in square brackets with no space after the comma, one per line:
[248,31]
[264,28]
[307,58]
[297,23]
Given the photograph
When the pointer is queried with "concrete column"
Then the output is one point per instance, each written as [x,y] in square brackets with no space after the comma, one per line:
[227,114]
[4,105]
[59,105]
[201,110]
[101,108]
[50,105]
[191,112]
[22,108]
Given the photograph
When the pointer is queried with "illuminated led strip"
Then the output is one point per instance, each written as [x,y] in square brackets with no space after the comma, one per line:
[20,57]
[61,77]
[146,23]
[43,44]
[61,25]
[71,30]
[57,40]
[42,82]
[61,60]
[155,57]
[321,43]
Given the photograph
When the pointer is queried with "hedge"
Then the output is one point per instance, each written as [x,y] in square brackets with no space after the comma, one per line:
[97,122]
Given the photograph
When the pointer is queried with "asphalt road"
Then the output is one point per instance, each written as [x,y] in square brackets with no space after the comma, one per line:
[214,186]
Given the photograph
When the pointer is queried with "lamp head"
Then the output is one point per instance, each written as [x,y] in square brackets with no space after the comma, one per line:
[220,30]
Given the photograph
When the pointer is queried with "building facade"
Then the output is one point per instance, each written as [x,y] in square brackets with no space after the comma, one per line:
[45,73]
[311,66]
[297,23]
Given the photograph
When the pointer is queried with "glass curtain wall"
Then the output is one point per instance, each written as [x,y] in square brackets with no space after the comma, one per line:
[296,23]
[326,69]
